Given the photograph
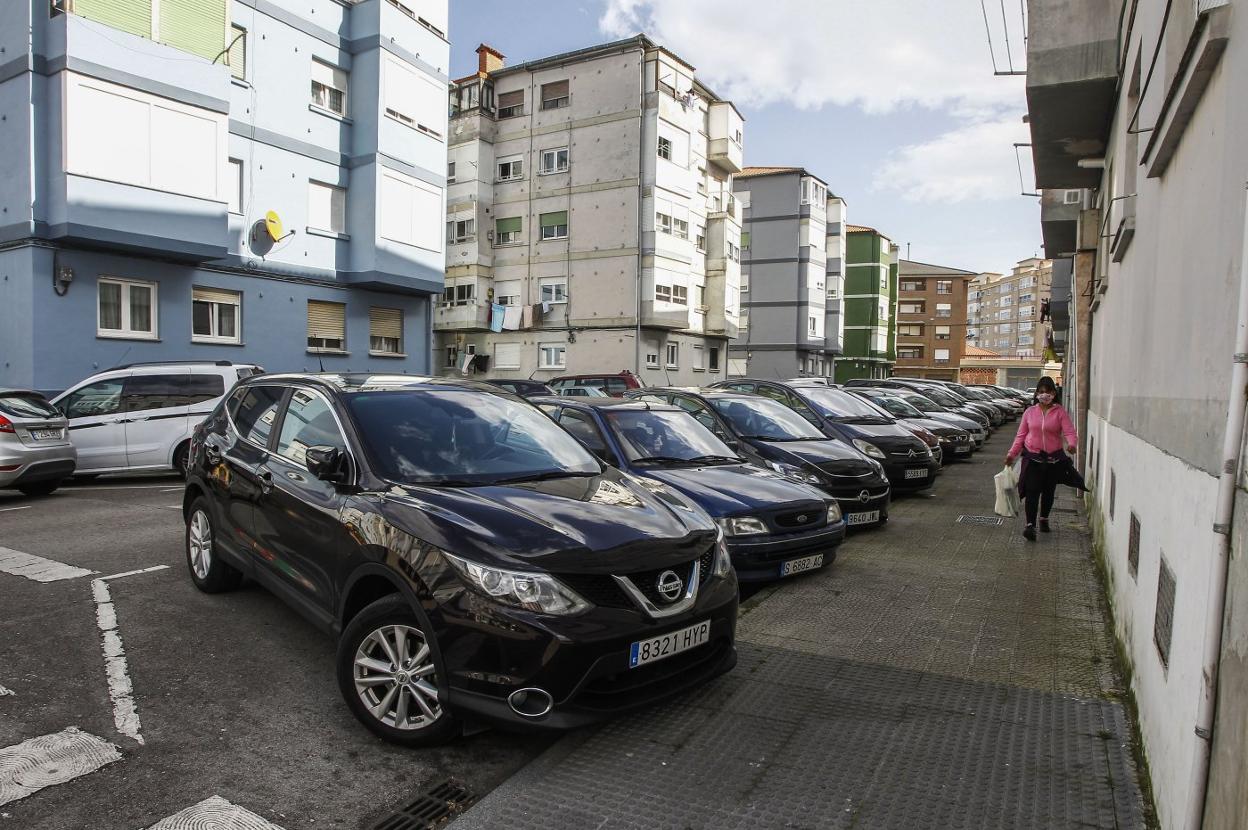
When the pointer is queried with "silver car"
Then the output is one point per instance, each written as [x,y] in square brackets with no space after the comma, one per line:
[35,451]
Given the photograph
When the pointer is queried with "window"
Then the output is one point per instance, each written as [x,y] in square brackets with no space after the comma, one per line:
[910,307]
[507,231]
[327,208]
[450,172]
[409,95]
[1070,197]
[745,283]
[662,223]
[944,310]
[680,228]
[663,293]
[461,294]
[1006,328]
[385,331]
[944,286]
[327,326]
[913,285]
[733,252]
[942,333]
[215,315]
[329,88]
[699,294]
[652,360]
[665,148]
[673,355]
[254,410]
[511,104]
[743,322]
[812,326]
[410,211]
[554,289]
[712,359]
[452,356]
[100,398]
[506,355]
[910,352]
[813,193]
[680,295]
[461,230]
[236,186]
[507,292]
[910,330]
[308,422]
[942,355]
[554,161]
[552,355]
[699,365]
[699,238]
[1007,301]
[126,308]
[833,292]
[702,181]
[1025,298]
[236,55]
[555,95]
[510,169]
[554,225]
[745,240]
[1026,312]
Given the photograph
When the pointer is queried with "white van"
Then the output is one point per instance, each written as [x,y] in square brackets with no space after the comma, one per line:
[141,416]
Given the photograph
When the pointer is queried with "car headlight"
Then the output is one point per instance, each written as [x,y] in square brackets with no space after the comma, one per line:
[834,513]
[723,562]
[531,591]
[743,526]
[794,472]
[867,448]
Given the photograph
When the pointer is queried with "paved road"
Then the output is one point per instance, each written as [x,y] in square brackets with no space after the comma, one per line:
[235,693]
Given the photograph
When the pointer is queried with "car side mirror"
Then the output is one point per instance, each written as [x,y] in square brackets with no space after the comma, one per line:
[327,463]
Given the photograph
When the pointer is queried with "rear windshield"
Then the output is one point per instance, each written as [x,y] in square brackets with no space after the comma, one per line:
[652,435]
[835,403]
[924,404]
[896,406]
[765,419]
[27,406]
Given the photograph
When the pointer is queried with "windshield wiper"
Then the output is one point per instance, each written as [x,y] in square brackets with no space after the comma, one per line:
[661,459]
[714,459]
[447,482]
[547,476]
[778,438]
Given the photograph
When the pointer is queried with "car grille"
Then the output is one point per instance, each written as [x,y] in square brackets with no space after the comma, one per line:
[647,583]
[846,469]
[808,518]
[602,589]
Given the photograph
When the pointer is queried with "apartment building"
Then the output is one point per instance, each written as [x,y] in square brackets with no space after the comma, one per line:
[220,181]
[931,319]
[1138,150]
[869,301]
[1008,313]
[790,293]
[591,225]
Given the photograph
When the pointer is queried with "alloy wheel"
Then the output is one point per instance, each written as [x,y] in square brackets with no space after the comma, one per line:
[394,677]
[199,542]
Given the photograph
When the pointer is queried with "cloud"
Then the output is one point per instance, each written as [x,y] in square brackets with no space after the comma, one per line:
[877,55]
[972,162]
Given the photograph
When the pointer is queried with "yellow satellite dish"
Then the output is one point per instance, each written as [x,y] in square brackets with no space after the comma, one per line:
[273,224]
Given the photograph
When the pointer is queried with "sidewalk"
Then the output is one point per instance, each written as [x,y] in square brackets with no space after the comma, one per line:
[940,675]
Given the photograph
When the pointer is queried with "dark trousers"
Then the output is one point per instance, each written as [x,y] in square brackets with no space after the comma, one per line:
[1039,484]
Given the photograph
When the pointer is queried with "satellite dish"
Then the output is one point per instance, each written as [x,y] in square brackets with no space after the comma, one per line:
[273,224]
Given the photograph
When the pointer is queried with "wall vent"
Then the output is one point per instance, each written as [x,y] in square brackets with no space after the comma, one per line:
[1133,547]
[1163,623]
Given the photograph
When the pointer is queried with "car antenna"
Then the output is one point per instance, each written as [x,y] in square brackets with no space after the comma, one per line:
[122,360]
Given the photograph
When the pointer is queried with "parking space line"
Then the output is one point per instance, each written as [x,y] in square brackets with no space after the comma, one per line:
[23,507]
[120,689]
[48,760]
[217,813]
[36,567]
[7,692]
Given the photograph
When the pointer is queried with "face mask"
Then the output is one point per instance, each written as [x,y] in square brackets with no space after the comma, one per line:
[1045,398]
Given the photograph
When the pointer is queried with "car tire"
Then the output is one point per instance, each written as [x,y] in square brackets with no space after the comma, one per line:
[43,488]
[210,573]
[412,694]
[181,456]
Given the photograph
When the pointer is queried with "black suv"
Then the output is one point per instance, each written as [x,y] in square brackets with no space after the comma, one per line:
[473,559]
[907,461]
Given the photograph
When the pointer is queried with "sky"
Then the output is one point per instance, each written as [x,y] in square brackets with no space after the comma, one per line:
[892,102]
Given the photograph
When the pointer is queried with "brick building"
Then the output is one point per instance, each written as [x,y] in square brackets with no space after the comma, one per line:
[931,319]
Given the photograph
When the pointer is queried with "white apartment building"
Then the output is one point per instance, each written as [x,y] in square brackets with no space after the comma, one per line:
[1006,312]
[591,225]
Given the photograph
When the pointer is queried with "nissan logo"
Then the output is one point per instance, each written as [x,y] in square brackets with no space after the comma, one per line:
[864,496]
[669,585]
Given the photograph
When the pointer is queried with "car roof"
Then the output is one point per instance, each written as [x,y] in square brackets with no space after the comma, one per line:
[701,393]
[804,383]
[605,403]
[353,382]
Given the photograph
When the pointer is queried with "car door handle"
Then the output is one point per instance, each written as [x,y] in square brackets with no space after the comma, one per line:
[266,481]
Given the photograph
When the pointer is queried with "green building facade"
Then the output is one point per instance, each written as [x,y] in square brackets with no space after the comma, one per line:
[870,305]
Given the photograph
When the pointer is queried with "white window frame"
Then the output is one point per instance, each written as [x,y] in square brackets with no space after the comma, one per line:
[663,223]
[652,360]
[559,292]
[553,229]
[680,295]
[560,348]
[214,337]
[338,85]
[673,355]
[936,355]
[812,326]
[515,165]
[665,148]
[680,228]
[235,204]
[662,293]
[126,332]
[335,192]
[450,172]
[554,154]
[944,309]
[461,230]
[699,238]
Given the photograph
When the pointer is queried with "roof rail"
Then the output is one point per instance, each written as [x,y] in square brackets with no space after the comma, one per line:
[173,363]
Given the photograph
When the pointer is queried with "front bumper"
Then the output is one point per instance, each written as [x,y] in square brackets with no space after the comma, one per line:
[954,450]
[851,502]
[904,481]
[491,650]
[759,558]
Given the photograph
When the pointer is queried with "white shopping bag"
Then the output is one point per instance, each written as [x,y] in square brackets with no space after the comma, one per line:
[1006,482]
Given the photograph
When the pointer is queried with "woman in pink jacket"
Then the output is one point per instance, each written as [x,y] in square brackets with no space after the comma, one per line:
[1043,434]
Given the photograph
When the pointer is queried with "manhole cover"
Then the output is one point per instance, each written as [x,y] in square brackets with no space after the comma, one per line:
[989,521]
[431,810]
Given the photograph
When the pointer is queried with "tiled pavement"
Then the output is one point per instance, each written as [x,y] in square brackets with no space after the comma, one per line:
[939,675]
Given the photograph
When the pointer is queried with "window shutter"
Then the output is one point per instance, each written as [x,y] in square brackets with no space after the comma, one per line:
[133,16]
[327,320]
[511,99]
[385,322]
[330,76]
[214,295]
[238,52]
[550,220]
[506,355]
[511,223]
[195,26]
[559,89]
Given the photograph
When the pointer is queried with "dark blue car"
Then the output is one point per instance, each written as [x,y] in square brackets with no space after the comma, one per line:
[774,527]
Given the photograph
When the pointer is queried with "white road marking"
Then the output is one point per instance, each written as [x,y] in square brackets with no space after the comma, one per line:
[214,813]
[7,692]
[23,507]
[51,759]
[120,689]
[36,567]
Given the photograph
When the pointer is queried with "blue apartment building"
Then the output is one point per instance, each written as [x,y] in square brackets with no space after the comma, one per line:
[237,180]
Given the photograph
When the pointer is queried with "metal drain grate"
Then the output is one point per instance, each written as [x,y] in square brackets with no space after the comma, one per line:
[987,521]
[431,810]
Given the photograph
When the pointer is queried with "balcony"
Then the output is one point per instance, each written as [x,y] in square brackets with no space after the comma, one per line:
[1059,222]
[725,145]
[1072,78]
[662,315]
[471,316]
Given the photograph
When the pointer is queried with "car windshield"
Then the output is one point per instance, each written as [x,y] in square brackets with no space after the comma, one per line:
[765,419]
[845,407]
[896,406]
[942,398]
[923,404]
[464,437]
[26,405]
[666,437]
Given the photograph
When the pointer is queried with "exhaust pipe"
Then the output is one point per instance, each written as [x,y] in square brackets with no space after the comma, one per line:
[530,703]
